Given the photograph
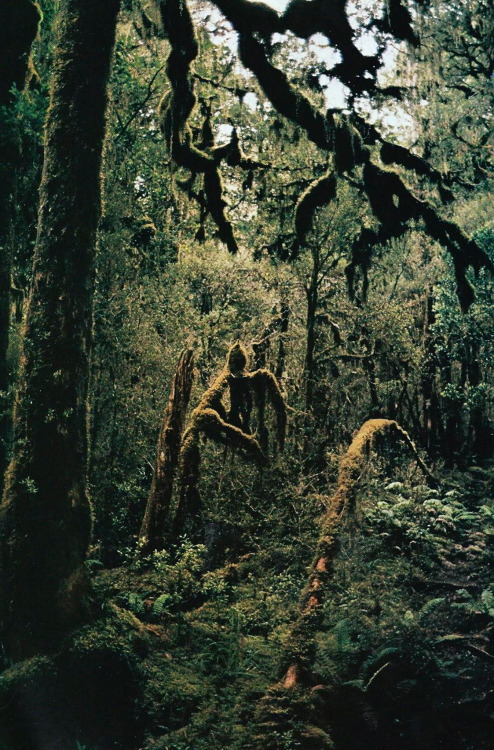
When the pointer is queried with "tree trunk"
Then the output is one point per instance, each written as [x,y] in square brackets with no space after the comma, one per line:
[20,20]
[167,456]
[284,323]
[431,413]
[312,304]
[482,443]
[45,520]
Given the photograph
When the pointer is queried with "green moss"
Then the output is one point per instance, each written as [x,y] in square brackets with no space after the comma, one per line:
[89,692]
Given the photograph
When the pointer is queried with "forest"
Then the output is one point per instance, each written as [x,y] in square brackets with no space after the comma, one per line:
[246,374]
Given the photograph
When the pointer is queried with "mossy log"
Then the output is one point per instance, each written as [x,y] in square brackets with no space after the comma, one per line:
[341,504]
[300,648]
[151,536]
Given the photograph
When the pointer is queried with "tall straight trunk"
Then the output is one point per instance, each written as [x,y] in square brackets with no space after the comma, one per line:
[482,440]
[312,293]
[45,519]
[284,323]
[5,283]
[18,29]
[431,413]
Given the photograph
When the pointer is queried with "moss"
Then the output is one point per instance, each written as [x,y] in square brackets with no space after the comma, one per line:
[291,708]
[175,109]
[300,647]
[173,693]
[45,516]
[210,418]
[153,528]
[87,693]
[391,201]
[394,205]
[391,153]
[318,194]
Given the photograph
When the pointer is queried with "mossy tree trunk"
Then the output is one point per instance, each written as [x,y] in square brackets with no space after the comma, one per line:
[45,516]
[482,438]
[284,323]
[18,29]
[291,704]
[152,532]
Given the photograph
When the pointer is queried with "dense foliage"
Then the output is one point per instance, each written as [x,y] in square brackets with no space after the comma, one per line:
[316,183]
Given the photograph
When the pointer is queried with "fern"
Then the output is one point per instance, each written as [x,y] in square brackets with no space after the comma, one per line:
[375,662]
[430,606]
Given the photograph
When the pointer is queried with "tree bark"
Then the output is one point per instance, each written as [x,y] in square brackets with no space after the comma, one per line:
[482,440]
[167,456]
[45,519]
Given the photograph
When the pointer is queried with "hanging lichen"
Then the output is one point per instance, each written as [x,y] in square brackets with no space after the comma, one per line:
[352,140]
[247,391]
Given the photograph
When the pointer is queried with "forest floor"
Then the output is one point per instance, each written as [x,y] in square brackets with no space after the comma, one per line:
[405,657]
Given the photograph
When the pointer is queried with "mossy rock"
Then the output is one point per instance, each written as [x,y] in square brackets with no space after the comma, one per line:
[88,693]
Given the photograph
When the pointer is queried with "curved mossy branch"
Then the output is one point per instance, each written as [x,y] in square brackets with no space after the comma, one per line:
[300,650]
[391,153]
[287,101]
[342,503]
[211,419]
[305,18]
[394,205]
[175,109]
[318,194]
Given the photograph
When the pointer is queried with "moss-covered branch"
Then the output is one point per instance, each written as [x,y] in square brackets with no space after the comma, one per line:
[300,649]
[232,428]
[351,140]
[176,108]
